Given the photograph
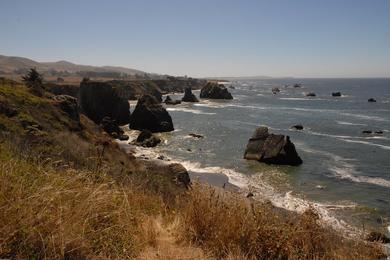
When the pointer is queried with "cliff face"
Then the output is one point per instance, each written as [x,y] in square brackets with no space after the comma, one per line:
[101,99]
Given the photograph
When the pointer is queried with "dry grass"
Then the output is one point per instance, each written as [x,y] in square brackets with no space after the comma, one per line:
[234,228]
[45,213]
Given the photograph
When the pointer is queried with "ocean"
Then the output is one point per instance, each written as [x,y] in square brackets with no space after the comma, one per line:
[345,175]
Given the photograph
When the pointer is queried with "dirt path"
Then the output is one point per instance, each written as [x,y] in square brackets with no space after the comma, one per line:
[166,246]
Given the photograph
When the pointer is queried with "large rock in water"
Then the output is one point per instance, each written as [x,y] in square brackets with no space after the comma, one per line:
[100,99]
[149,114]
[271,148]
[189,96]
[214,90]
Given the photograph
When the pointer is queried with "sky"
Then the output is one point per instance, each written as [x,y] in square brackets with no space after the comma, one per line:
[200,38]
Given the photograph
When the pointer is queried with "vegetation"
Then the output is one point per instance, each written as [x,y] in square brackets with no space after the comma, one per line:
[69,192]
[34,80]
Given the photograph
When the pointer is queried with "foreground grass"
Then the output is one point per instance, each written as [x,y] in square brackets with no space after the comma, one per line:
[46,213]
[231,226]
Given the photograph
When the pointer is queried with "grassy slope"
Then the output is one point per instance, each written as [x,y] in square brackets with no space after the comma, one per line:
[70,193]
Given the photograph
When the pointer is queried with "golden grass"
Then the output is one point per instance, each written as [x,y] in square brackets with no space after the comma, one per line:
[46,213]
[232,227]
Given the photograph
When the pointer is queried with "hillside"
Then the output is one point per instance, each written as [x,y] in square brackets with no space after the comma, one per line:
[18,65]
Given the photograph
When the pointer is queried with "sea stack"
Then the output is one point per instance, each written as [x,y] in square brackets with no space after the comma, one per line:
[189,96]
[271,148]
[150,115]
[213,90]
[100,99]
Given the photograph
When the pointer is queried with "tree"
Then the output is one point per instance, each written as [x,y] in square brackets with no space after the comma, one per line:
[33,79]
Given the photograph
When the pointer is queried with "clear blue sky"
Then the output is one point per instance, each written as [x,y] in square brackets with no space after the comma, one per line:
[310,38]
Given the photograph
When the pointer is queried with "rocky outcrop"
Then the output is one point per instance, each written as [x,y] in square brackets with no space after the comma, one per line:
[179,174]
[336,94]
[111,127]
[311,94]
[170,101]
[213,90]
[147,139]
[149,114]
[69,105]
[275,90]
[371,100]
[297,127]
[271,148]
[189,96]
[100,99]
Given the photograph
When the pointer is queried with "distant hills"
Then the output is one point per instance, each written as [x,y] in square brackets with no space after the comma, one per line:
[18,65]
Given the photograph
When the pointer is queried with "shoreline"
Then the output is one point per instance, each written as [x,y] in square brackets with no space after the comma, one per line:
[283,202]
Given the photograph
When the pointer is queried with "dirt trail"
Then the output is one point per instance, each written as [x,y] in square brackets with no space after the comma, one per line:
[165,245]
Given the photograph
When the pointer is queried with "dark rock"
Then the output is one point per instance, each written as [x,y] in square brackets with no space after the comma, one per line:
[214,90]
[151,115]
[196,135]
[147,139]
[189,96]
[297,127]
[69,105]
[311,94]
[336,94]
[271,148]
[145,134]
[367,132]
[377,237]
[123,137]
[371,100]
[100,99]
[232,87]
[180,174]
[161,157]
[170,101]
[111,127]
[275,90]
[379,132]
[297,85]
[189,150]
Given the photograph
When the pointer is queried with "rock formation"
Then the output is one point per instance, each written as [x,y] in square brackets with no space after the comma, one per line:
[371,100]
[189,96]
[147,139]
[214,90]
[311,94]
[149,114]
[100,99]
[271,148]
[336,94]
[170,101]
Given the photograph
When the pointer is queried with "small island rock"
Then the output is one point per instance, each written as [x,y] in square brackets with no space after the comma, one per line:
[271,148]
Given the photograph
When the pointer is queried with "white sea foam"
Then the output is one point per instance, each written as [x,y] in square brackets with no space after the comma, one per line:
[189,110]
[347,173]
[343,169]
[385,147]
[348,123]
[366,117]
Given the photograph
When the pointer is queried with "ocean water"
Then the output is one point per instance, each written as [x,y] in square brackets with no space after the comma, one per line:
[345,174]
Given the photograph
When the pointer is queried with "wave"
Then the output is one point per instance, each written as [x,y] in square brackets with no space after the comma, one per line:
[385,147]
[189,110]
[346,173]
[343,169]
[348,123]
[366,117]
